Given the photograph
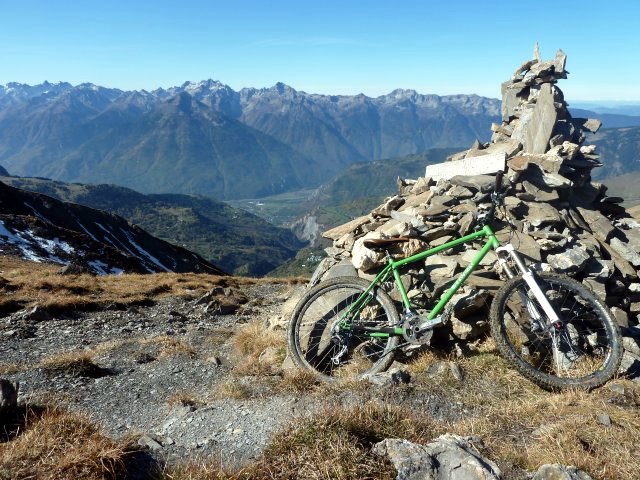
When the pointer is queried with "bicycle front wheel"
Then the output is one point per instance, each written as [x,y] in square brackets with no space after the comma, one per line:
[582,350]
[317,344]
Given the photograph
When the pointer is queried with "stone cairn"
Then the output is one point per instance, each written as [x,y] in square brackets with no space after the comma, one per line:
[562,221]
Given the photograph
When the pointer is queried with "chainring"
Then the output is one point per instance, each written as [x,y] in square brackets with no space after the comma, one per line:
[413,333]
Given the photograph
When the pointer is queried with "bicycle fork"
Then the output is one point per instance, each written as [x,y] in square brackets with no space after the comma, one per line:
[528,277]
[553,322]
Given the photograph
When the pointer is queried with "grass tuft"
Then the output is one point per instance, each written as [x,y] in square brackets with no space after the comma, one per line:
[169,346]
[232,389]
[75,364]
[184,399]
[10,368]
[206,470]
[258,351]
[526,426]
[60,445]
[298,381]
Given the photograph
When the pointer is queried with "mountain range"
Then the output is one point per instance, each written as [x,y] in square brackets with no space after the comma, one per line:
[206,138]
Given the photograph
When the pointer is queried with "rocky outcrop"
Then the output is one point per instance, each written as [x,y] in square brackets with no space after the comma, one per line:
[555,215]
[453,457]
[449,456]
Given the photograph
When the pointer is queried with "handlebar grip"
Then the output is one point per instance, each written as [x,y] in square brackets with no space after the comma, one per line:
[498,186]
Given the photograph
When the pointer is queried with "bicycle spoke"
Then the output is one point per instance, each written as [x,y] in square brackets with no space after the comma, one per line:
[332,343]
[575,349]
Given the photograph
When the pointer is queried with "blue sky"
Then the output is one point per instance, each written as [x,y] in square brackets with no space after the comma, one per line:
[339,47]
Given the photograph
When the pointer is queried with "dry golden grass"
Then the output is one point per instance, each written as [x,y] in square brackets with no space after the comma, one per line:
[231,389]
[336,444]
[185,399]
[9,368]
[298,381]
[563,429]
[77,364]
[170,346]
[207,470]
[520,424]
[161,346]
[530,427]
[527,426]
[57,445]
[258,351]
[29,283]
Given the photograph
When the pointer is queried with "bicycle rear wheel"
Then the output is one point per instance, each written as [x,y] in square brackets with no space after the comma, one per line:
[315,343]
[582,350]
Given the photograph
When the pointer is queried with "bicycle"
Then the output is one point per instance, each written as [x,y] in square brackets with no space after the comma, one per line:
[550,327]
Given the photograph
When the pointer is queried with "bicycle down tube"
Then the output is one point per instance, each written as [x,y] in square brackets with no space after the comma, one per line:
[393,267]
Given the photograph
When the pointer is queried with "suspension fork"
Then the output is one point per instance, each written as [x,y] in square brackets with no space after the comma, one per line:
[529,278]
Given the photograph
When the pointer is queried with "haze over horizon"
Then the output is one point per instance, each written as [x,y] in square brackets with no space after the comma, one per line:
[331,47]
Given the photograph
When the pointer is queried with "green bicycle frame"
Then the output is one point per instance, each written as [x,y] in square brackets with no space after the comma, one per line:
[392,269]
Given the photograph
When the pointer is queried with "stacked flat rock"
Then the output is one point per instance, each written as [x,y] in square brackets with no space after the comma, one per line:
[560,220]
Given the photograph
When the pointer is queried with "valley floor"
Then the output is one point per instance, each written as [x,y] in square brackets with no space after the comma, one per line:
[165,386]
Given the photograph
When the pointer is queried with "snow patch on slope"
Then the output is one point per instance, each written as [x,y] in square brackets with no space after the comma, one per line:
[144,253]
[103,269]
[28,240]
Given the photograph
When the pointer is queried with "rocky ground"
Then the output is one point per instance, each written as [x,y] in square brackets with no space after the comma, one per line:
[167,374]
[193,369]
[154,364]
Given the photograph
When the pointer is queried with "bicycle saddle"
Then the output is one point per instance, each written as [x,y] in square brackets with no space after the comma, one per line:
[374,243]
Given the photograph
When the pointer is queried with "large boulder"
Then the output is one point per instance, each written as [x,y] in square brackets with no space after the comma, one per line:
[448,457]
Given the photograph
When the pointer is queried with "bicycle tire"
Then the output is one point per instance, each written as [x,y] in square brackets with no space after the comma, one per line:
[309,333]
[583,350]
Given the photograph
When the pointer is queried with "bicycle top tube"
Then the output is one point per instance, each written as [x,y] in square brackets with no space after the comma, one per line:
[392,269]
[486,231]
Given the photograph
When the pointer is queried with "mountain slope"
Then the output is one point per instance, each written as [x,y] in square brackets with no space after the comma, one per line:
[609,120]
[626,186]
[206,138]
[179,145]
[619,149]
[376,179]
[233,239]
[40,228]
[350,128]
[358,128]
